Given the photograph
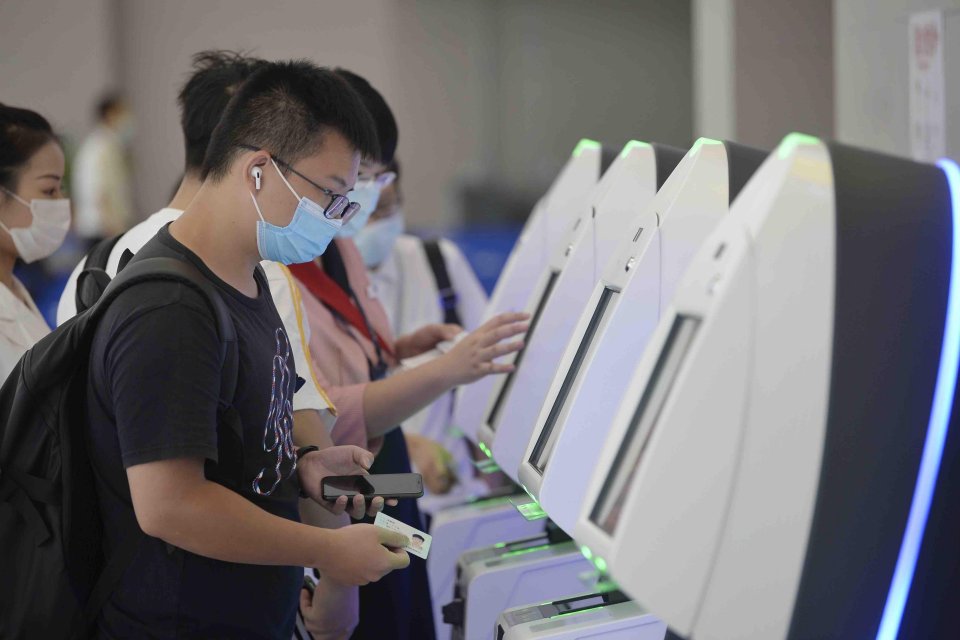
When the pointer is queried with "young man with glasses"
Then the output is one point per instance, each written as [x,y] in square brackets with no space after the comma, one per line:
[221,558]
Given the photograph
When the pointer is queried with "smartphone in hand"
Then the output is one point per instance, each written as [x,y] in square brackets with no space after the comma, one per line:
[384,485]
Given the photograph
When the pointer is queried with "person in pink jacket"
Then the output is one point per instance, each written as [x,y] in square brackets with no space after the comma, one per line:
[352,348]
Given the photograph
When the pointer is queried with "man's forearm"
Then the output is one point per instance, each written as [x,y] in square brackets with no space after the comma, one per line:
[388,402]
[212,521]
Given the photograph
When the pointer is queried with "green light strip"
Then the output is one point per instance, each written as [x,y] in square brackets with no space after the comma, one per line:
[600,564]
[792,141]
[520,552]
[570,613]
[630,146]
[583,145]
[701,142]
[531,511]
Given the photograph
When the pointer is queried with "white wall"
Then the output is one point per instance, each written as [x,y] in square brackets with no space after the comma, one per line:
[872,107]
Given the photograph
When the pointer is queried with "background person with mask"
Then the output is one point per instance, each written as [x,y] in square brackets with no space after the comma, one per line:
[406,284]
[102,189]
[353,348]
[34,220]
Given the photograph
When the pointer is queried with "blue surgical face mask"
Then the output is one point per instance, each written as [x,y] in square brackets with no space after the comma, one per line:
[305,238]
[375,241]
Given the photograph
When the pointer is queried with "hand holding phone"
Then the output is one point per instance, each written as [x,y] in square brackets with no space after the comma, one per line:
[386,485]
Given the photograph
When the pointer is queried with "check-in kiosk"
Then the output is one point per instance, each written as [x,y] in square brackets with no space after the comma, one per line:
[627,185]
[784,463]
[614,326]
[547,228]
[624,192]
[487,521]
[592,616]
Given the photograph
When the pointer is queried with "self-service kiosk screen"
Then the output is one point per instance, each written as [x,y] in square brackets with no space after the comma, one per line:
[494,416]
[546,441]
[606,512]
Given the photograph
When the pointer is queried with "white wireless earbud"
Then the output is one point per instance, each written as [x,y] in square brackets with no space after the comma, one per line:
[257,173]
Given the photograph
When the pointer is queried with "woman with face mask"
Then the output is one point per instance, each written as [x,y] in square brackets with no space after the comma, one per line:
[34,220]
[407,284]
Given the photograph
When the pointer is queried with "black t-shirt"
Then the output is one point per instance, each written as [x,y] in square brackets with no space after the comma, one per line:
[155,376]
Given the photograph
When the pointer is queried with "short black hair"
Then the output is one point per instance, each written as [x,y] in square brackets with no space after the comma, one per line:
[417,535]
[22,134]
[286,108]
[215,77]
[107,103]
[387,132]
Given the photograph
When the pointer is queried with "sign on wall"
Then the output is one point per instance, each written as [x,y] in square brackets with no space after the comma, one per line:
[928,135]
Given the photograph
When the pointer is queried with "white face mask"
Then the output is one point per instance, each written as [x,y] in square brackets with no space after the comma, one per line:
[366,193]
[375,241]
[51,222]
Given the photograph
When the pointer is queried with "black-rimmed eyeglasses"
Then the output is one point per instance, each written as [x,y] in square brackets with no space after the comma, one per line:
[339,206]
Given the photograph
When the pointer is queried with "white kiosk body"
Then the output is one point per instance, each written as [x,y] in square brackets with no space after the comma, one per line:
[546,228]
[772,466]
[617,322]
[486,522]
[624,191]
[634,176]
[493,579]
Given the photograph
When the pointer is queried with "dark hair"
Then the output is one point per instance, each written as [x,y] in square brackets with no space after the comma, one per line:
[285,108]
[417,535]
[382,115]
[108,103]
[394,165]
[22,133]
[216,77]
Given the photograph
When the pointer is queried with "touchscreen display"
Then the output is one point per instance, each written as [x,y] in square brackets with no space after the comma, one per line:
[606,512]
[545,442]
[494,416]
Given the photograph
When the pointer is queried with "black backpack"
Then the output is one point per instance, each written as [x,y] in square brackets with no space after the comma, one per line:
[55,579]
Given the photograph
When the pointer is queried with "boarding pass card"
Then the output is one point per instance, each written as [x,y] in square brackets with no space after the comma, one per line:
[419,541]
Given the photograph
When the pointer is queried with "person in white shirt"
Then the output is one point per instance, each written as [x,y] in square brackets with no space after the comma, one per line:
[102,189]
[34,220]
[406,284]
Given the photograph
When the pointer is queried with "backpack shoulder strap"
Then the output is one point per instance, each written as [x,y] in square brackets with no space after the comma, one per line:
[93,278]
[448,297]
[99,254]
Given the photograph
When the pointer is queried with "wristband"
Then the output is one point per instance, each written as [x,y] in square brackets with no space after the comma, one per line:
[302,451]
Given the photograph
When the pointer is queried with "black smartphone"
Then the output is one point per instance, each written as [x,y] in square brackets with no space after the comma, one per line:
[386,485]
